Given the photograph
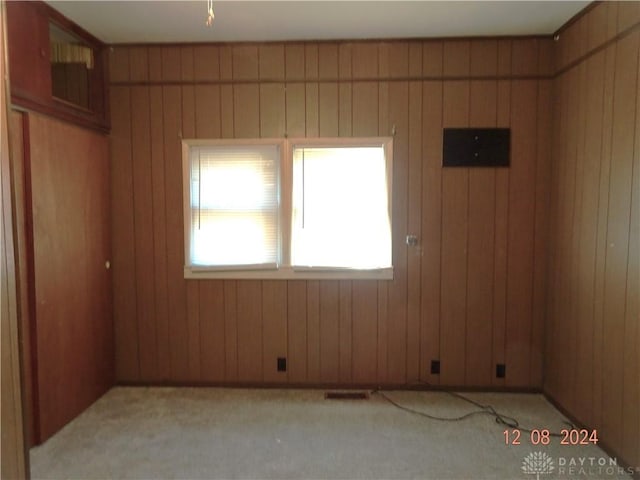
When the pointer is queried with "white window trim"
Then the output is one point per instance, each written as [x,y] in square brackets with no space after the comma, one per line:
[284,271]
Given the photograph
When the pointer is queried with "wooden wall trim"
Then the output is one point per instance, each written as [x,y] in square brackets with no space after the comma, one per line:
[30,282]
[576,17]
[15,458]
[596,50]
[267,81]
[339,41]
[418,387]
[600,23]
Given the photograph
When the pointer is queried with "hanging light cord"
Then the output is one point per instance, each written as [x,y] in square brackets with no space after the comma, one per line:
[210,15]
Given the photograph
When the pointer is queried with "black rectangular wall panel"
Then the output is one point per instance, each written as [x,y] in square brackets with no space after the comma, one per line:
[476,147]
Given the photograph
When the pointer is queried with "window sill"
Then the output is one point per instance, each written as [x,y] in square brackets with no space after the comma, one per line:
[289,273]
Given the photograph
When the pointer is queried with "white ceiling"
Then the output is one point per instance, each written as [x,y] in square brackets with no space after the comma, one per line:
[238,20]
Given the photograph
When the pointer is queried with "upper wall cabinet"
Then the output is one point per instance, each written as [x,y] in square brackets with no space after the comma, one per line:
[56,67]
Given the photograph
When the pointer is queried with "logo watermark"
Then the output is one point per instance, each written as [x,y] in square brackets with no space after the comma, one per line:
[537,463]
[541,463]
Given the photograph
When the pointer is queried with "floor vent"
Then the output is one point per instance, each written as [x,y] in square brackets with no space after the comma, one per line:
[346,396]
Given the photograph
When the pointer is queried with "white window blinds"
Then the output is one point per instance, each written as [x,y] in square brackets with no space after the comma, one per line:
[234,202]
[340,208]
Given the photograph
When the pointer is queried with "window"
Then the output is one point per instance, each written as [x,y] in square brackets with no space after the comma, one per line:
[306,208]
[234,206]
[340,207]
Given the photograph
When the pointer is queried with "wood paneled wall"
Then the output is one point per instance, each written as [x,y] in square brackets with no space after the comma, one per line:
[14,463]
[593,327]
[472,294]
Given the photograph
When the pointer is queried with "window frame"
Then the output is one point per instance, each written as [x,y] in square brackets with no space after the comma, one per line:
[284,270]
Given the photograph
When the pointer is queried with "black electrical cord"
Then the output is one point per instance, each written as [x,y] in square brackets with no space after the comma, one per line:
[489,410]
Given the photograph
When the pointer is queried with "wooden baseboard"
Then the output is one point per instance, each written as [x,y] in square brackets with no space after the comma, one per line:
[418,386]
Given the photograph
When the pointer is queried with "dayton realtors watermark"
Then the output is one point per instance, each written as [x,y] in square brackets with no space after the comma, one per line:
[541,464]
[592,467]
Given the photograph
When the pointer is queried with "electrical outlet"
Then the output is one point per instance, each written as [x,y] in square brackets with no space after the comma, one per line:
[282,364]
[501,370]
[435,367]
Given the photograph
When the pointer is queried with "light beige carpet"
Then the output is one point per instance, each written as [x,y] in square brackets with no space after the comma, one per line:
[210,433]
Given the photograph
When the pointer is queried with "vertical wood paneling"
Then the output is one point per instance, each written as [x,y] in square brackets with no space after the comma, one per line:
[617,261]
[154,59]
[456,58]
[189,130]
[414,221]
[566,200]
[313,331]
[365,109]
[630,446]
[482,113]
[328,61]
[206,62]
[455,193]
[16,144]
[329,332]
[628,15]
[230,330]
[123,238]
[274,293]
[311,110]
[577,355]
[207,106]
[178,334]
[143,220]
[328,109]
[541,251]
[160,279]
[212,330]
[193,330]
[249,326]
[364,303]
[297,330]
[431,227]
[432,58]
[245,62]
[592,326]
[274,334]
[295,109]
[525,56]
[15,435]
[272,111]
[294,61]
[345,333]
[484,58]
[345,126]
[344,92]
[271,62]
[398,64]
[119,64]
[592,97]
[246,106]
[449,298]
[521,233]
[311,61]
[365,319]
[272,96]
[383,286]
[501,221]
